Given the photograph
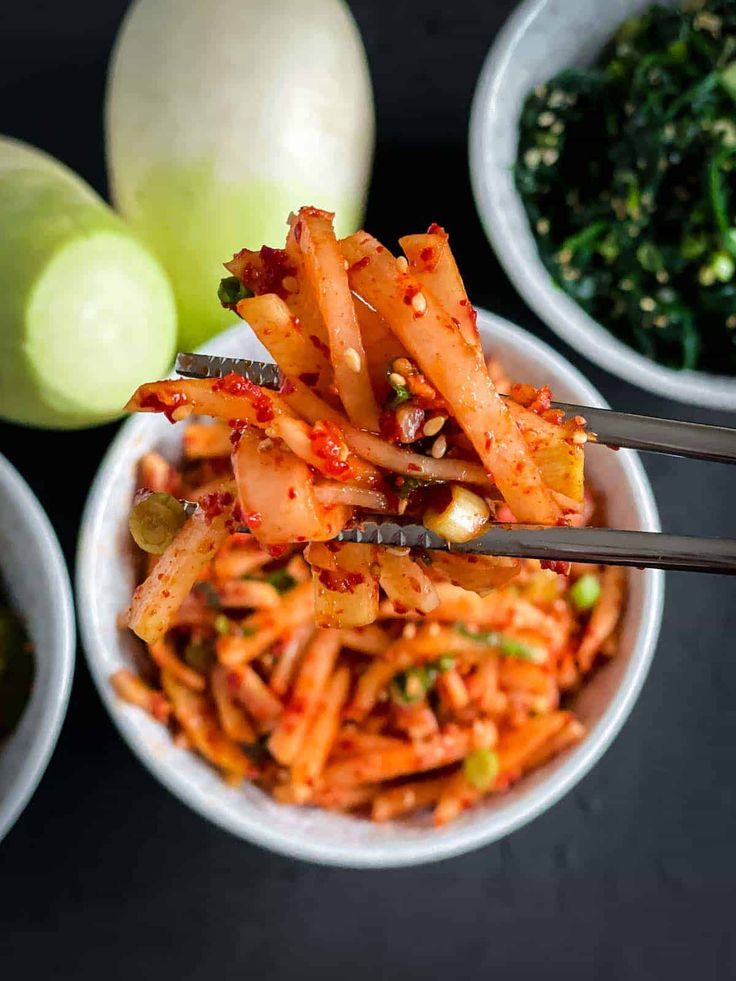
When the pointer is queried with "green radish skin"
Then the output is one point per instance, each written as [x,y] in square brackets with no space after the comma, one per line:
[86,312]
[223,116]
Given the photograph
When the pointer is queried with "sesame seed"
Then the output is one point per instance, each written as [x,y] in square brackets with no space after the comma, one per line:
[397,380]
[533,158]
[433,426]
[402,264]
[398,550]
[439,447]
[410,631]
[580,437]
[419,303]
[290,284]
[433,629]
[352,359]
[731,322]
[403,505]
[270,432]
[550,157]
[265,444]
[558,128]
[647,304]
[345,265]
[543,226]
[546,119]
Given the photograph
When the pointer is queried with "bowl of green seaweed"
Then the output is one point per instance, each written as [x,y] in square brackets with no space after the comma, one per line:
[37,641]
[603,161]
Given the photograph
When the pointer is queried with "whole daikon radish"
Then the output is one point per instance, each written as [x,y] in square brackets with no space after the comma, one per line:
[224,115]
[86,311]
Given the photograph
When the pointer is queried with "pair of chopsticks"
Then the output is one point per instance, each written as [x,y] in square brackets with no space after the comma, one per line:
[605,546]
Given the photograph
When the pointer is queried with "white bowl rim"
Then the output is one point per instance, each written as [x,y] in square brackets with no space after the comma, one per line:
[531,279]
[16,797]
[489,827]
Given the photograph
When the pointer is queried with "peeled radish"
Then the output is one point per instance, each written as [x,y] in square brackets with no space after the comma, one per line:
[86,312]
[224,115]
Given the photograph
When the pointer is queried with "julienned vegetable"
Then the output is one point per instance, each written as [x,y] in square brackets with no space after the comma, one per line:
[225,115]
[507,646]
[85,310]
[627,171]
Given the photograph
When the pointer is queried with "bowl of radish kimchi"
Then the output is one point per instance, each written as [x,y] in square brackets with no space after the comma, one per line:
[346,702]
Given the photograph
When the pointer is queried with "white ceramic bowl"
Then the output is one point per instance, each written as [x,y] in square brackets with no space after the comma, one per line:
[539,39]
[105,581]
[36,584]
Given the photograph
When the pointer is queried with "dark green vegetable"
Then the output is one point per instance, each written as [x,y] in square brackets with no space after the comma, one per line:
[281,580]
[415,683]
[155,520]
[16,670]
[508,646]
[231,290]
[400,392]
[627,170]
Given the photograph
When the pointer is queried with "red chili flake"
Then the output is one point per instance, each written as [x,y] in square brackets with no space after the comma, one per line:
[488,441]
[430,256]
[400,608]
[253,520]
[359,264]
[292,493]
[535,399]
[340,581]
[276,551]
[328,443]
[320,345]
[379,249]
[414,468]
[298,231]
[410,292]
[287,387]
[215,504]
[435,229]
[233,680]
[310,378]
[561,568]
[264,271]
[166,593]
[239,386]
[168,405]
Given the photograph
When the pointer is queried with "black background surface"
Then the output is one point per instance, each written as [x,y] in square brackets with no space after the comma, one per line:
[631,876]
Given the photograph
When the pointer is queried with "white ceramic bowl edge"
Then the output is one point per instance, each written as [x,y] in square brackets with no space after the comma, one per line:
[36,581]
[539,39]
[105,580]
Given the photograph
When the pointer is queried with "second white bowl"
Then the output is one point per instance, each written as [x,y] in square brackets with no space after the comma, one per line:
[105,579]
[539,39]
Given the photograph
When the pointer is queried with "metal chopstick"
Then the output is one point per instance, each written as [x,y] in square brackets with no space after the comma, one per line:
[604,546]
[615,429]
[591,546]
